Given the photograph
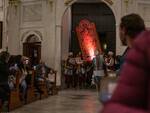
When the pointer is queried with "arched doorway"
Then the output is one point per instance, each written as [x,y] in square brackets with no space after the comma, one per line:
[32,49]
[95,11]
[102,16]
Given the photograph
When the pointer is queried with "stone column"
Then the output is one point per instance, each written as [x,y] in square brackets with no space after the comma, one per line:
[58,54]
[13,29]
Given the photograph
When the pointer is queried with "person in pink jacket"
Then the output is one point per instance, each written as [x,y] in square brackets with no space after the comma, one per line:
[132,94]
[130,27]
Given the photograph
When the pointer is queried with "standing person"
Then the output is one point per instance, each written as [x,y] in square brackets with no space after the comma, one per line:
[70,63]
[22,81]
[4,73]
[131,94]
[131,25]
[110,61]
[78,76]
[98,71]
[82,82]
[42,71]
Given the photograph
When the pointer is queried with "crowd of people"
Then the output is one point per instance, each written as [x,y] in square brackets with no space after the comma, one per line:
[79,73]
[10,64]
[132,94]
[74,70]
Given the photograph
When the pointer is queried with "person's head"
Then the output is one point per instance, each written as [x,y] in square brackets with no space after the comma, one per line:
[70,54]
[131,25]
[110,53]
[96,52]
[4,56]
[18,59]
[78,54]
[25,60]
[42,62]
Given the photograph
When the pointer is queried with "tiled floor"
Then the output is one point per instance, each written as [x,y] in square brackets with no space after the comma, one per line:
[68,101]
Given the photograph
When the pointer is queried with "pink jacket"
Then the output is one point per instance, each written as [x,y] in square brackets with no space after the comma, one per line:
[132,94]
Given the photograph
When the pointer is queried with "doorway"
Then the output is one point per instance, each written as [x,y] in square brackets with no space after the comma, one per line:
[102,16]
[32,49]
[97,12]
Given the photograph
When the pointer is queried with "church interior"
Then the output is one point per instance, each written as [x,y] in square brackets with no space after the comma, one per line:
[50,50]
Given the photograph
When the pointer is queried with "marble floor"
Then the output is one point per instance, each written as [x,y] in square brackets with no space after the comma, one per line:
[68,101]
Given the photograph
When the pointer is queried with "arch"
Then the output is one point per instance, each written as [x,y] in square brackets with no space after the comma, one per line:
[111,8]
[109,5]
[27,34]
[32,38]
[73,1]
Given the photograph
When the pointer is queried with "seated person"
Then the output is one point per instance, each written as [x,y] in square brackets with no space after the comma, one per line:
[12,76]
[50,80]
[22,81]
[11,81]
[41,71]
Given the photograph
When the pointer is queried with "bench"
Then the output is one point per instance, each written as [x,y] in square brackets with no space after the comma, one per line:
[31,90]
[14,99]
[43,88]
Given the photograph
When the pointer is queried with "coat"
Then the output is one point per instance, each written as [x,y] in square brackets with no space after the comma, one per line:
[4,88]
[4,72]
[132,94]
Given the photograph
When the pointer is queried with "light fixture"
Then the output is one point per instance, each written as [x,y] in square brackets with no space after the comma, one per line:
[50,1]
[109,2]
[67,1]
[14,2]
[126,1]
[105,46]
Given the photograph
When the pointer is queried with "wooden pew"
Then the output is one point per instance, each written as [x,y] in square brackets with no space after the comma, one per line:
[43,87]
[14,100]
[31,90]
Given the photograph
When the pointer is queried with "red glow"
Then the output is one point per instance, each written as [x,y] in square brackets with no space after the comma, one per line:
[88,39]
[89,45]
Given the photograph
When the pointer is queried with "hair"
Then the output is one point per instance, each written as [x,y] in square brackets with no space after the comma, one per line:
[4,55]
[18,59]
[11,60]
[133,24]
